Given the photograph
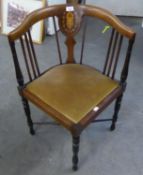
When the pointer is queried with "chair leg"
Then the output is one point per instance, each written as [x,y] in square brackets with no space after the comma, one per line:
[76,141]
[28,115]
[116,111]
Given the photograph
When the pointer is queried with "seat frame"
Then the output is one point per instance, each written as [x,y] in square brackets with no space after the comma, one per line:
[70,29]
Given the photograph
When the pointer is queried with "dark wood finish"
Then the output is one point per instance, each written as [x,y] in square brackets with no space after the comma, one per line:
[30,56]
[80,1]
[18,71]
[123,83]
[117,57]
[112,53]
[20,81]
[117,108]
[91,116]
[70,42]
[72,1]
[76,141]
[70,24]
[28,115]
[108,52]
[76,1]
[57,10]
[83,40]
[108,17]
[125,69]
[57,40]
[102,120]
[33,53]
[25,58]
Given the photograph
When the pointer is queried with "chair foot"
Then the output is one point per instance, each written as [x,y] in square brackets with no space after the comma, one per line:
[32,131]
[116,111]
[113,127]
[76,141]
[75,168]
[28,115]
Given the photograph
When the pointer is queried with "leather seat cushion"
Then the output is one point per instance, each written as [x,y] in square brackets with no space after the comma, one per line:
[71,89]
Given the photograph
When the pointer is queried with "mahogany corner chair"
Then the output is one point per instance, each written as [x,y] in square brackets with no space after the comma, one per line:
[72,93]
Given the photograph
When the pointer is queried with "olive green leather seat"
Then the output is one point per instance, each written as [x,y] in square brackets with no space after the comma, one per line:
[73,90]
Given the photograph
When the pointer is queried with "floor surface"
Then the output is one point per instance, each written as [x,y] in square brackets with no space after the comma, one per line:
[49,152]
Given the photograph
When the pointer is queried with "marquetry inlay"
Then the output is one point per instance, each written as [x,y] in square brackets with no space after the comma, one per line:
[70,20]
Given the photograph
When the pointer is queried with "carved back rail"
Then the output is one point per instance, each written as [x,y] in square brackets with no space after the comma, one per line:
[70,18]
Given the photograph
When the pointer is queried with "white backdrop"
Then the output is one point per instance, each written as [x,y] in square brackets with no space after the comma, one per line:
[121,7]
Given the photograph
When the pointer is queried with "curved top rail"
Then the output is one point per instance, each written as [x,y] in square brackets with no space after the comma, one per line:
[108,17]
[34,17]
[57,10]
